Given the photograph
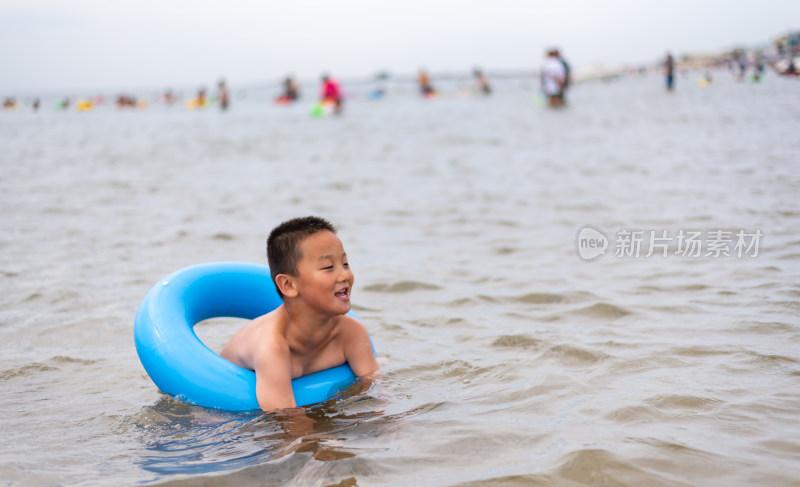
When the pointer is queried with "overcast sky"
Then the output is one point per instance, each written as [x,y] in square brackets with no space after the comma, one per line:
[62,45]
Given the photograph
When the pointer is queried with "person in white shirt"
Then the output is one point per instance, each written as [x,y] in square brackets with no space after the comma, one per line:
[554,77]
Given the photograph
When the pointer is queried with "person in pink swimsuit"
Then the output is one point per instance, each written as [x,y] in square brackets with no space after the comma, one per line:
[331,93]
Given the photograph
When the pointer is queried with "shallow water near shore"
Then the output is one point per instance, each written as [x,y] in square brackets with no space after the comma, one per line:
[508,359]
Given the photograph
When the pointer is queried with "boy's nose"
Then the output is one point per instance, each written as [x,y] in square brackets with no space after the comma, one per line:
[344,273]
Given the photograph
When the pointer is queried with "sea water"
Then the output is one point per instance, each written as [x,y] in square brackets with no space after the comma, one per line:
[509,357]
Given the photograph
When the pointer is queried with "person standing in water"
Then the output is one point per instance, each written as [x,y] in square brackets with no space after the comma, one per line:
[758,67]
[553,79]
[425,86]
[483,83]
[223,95]
[331,93]
[200,101]
[169,97]
[290,91]
[669,71]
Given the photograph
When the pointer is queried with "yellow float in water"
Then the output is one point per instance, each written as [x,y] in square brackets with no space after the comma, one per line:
[195,103]
[84,105]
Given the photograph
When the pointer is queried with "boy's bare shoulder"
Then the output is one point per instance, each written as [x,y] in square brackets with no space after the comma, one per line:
[266,331]
[254,339]
[348,323]
[349,329]
[264,321]
[257,327]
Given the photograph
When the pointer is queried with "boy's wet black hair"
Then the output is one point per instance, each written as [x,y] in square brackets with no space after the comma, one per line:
[283,244]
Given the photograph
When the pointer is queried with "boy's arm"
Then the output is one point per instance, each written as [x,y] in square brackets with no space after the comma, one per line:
[358,350]
[274,378]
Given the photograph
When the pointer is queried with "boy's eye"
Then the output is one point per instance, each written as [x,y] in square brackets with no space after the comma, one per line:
[327,268]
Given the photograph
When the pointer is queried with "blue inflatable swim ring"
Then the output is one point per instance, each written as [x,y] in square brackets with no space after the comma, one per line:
[183,366]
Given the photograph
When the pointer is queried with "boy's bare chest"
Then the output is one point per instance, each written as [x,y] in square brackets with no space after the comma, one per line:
[327,357]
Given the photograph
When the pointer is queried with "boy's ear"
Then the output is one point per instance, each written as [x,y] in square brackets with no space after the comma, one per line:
[286,285]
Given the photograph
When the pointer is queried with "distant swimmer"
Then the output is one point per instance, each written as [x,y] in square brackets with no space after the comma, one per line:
[291,92]
[222,95]
[425,87]
[707,74]
[786,67]
[169,97]
[379,91]
[758,68]
[483,83]
[331,94]
[199,101]
[10,104]
[125,101]
[669,72]
[554,77]
[742,63]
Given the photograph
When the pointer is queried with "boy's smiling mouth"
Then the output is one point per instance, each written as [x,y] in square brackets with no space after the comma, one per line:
[343,293]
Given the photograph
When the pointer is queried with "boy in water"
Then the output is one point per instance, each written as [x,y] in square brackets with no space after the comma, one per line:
[310,331]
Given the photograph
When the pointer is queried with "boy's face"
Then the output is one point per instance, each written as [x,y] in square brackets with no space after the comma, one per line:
[324,278]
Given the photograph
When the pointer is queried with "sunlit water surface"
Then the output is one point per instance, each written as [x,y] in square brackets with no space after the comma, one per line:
[508,360]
